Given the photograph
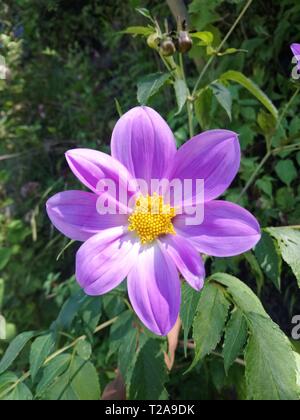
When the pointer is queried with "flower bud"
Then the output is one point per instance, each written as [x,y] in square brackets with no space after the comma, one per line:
[153,41]
[185,42]
[167,47]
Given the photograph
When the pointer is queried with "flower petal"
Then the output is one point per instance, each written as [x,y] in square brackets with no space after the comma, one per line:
[213,156]
[74,213]
[154,290]
[93,168]
[187,259]
[227,230]
[144,143]
[296,51]
[105,260]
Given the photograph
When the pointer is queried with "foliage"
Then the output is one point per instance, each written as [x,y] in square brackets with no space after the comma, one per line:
[60,93]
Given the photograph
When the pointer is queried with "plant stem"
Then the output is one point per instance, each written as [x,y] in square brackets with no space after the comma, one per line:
[189,104]
[57,353]
[210,61]
[287,107]
[254,175]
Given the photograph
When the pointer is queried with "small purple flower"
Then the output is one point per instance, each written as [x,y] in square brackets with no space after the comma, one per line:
[152,249]
[296,51]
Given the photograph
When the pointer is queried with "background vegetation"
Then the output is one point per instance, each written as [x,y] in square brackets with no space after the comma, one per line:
[67,64]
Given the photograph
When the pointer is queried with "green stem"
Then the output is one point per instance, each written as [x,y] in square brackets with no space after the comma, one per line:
[189,104]
[57,353]
[254,175]
[287,107]
[210,61]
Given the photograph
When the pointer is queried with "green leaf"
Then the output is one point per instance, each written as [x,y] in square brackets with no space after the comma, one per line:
[70,310]
[144,12]
[270,365]
[1,292]
[5,254]
[40,350]
[119,331]
[235,338]
[181,91]
[223,96]
[52,371]
[210,320]
[20,393]
[150,374]
[14,349]
[286,171]
[240,78]
[242,295]
[255,268]
[289,245]
[266,122]
[150,85]
[203,106]
[207,38]
[230,51]
[79,383]
[84,349]
[2,328]
[139,30]
[267,254]
[189,303]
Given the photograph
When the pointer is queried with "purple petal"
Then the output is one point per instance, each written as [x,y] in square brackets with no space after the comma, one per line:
[296,51]
[105,260]
[227,230]
[74,214]
[154,290]
[144,143]
[213,156]
[91,167]
[187,259]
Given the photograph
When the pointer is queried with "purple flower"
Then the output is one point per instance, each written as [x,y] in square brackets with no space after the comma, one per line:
[296,51]
[151,249]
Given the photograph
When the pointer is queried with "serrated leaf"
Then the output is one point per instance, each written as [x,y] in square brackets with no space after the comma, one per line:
[209,321]
[40,350]
[267,254]
[270,366]
[242,295]
[150,86]
[223,96]
[255,268]
[240,78]
[52,371]
[119,330]
[189,303]
[235,338]
[150,374]
[181,92]
[14,349]
[70,310]
[289,245]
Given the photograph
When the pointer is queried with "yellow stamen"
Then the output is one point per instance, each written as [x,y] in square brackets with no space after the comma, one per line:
[152,218]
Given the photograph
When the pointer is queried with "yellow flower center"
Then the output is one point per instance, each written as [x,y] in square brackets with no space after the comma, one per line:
[152,218]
